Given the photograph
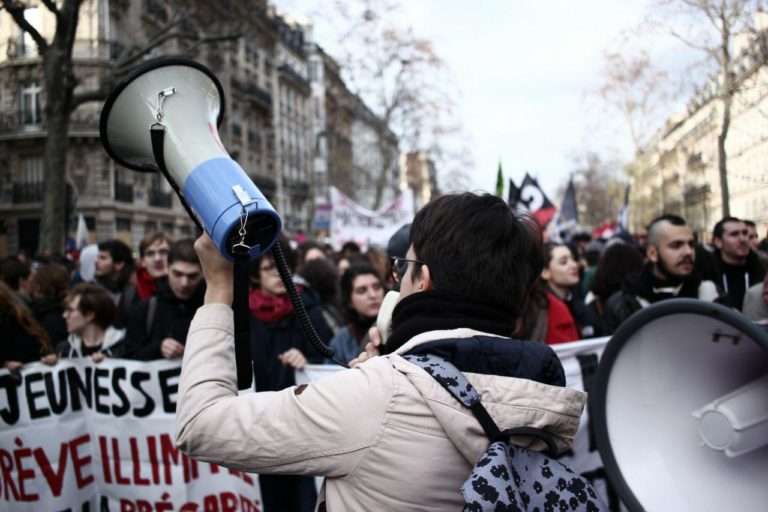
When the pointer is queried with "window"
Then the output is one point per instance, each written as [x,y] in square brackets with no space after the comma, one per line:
[168,228]
[28,187]
[29,104]
[150,227]
[123,224]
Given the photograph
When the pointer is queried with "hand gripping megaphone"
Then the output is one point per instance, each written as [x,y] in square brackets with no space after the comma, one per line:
[164,117]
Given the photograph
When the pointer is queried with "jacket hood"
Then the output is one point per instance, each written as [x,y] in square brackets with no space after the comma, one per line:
[521,385]
[112,336]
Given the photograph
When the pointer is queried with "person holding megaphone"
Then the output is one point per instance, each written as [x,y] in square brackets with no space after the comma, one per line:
[384,434]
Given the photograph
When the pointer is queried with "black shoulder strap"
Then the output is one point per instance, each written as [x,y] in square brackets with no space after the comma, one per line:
[456,383]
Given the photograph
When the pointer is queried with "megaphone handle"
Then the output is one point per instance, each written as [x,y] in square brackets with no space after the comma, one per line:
[157,134]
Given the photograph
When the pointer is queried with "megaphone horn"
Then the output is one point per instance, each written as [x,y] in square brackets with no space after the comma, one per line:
[164,117]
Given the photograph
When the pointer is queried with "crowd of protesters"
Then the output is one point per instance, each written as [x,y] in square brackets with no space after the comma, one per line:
[109,304]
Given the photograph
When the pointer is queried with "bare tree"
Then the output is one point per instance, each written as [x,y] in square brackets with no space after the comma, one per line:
[399,74]
[711,28]
[600,188]
[635,89]
[60,84]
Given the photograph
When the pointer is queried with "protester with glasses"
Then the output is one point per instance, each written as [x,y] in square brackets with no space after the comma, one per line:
[361,294]
[278,348]
[384,434]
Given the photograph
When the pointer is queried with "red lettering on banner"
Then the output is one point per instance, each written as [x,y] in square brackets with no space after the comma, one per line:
[242,475]
[105,459]
[164,506]
[168,453]
[214,468]
[228,502]
[152,443]
[80,462]
[211,504]
[119,478]
[189,507]
[127,506]
[191,471]
[55,479]
[24,474]
[6,466]
[136,459]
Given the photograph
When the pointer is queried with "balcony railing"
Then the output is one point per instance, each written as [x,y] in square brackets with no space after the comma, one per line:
[160,199]
[28,192]
[124,192]
[82,49]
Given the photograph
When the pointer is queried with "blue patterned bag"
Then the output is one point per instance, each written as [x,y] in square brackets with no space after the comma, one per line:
[508,478]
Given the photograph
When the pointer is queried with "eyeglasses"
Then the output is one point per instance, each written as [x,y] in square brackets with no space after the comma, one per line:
[400,267]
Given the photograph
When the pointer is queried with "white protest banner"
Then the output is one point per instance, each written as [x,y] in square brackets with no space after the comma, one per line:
[352,222]
[83,436]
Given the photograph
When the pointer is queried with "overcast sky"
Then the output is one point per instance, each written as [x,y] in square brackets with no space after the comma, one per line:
[524,69]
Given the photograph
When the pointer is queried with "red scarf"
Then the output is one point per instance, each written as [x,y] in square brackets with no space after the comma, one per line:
[145,284]
[269,308]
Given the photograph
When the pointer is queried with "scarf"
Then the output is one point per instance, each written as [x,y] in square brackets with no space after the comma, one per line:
[269,308]
[145,284]
[436,310]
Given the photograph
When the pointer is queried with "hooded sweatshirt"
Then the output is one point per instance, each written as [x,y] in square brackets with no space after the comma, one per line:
[112,345]
[385,434]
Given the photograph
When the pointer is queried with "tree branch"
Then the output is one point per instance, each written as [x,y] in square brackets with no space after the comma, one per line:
[51,5]
[16,10]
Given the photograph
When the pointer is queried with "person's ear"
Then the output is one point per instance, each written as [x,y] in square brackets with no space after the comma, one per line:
[119,265]
[546,274]
[425,279]
[718,242]
[652,253]
[88,317]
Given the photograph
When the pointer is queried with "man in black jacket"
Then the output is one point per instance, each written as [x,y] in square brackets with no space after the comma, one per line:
[737,266]
[158,327]
[669,273]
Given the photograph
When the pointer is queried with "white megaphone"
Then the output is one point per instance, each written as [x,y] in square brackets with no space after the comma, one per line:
[164,117]
[679,408]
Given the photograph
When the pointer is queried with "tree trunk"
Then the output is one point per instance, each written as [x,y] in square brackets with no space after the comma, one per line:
[386,164]
[59,84]
[722,158]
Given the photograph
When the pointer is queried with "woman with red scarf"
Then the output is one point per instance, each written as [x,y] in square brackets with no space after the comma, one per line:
[278,348]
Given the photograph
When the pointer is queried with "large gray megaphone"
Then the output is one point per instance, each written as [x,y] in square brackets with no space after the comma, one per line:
[164,117]
[680,409]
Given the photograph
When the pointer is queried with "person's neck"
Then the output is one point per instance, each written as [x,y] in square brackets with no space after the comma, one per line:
[562,293]
[93,335]
[733,260]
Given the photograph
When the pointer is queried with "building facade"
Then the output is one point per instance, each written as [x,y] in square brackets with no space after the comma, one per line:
[294,132]
[678,171]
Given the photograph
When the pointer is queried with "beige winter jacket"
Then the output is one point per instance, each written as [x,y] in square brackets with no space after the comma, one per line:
[386,435]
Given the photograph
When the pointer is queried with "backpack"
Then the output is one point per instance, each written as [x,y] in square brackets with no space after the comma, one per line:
[508,478]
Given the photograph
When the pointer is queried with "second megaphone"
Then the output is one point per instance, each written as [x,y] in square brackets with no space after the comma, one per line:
[164,117]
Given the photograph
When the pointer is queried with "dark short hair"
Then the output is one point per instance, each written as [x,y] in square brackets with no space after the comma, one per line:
[94,299]
[717,231]
[653,227]
[151,238]
[118,251]
[183,250]
[617,262]
[750,223]
[323,277]
[51,281]
[478,249]
[12,271]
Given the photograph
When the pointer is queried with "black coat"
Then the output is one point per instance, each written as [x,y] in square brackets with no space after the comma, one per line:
[270,340]
[171,319]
